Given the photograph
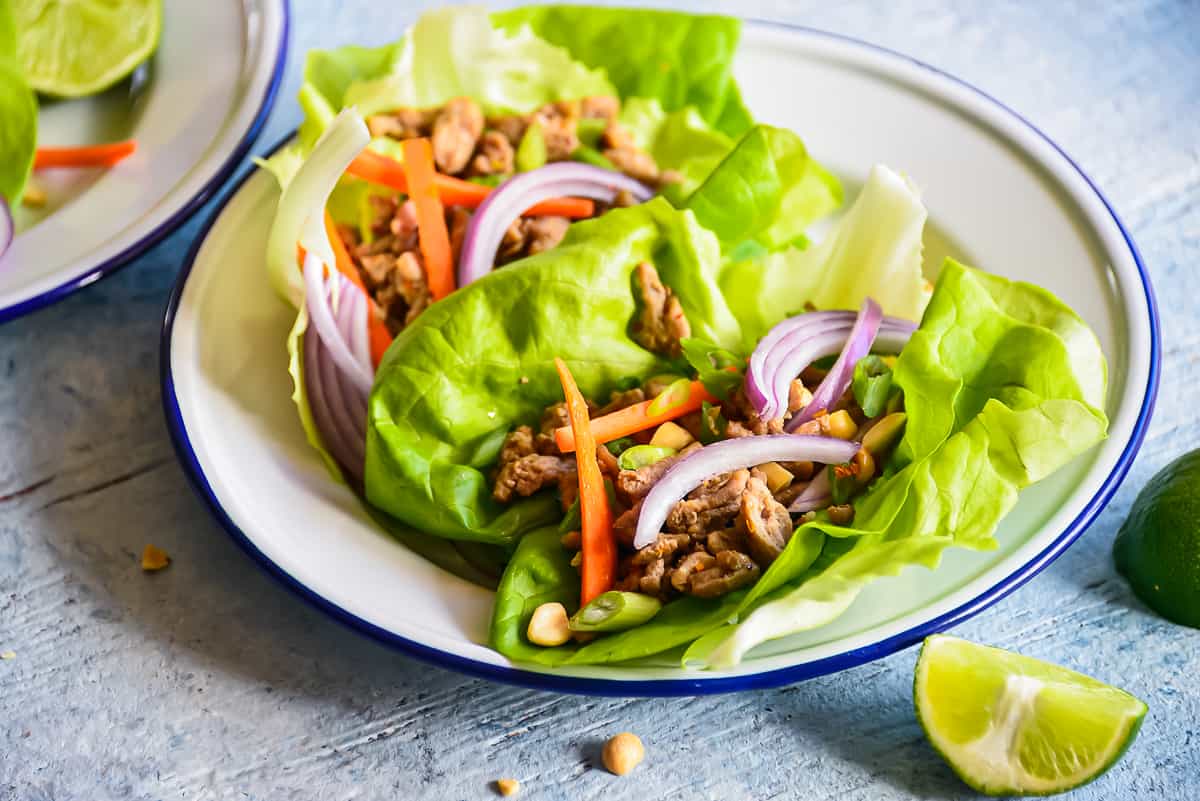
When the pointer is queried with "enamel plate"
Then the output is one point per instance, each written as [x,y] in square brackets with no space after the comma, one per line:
[227,391]
[194,109]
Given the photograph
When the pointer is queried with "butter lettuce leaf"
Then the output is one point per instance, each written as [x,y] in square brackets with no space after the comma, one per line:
[995,404]
[480,362]
[767,190]
[679,59]
[997,399]
[873,250]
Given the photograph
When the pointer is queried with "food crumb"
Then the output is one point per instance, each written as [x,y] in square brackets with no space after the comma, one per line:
[154,558]
[623,753]
[507,787]
[523,379]
[34,196]
[6,655]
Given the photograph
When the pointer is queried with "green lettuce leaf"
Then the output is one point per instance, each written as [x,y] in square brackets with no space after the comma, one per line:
[679,140]
[449,52]
[300,214]
[18,110]
[676,58]
[540,572]
[997,399]
[480,362]
[766,190]
[873,250]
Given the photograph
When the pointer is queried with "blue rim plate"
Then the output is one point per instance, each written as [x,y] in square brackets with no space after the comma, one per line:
[1111,289]
[190,142]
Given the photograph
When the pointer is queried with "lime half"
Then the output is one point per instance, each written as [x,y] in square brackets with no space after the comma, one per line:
[1013,725]
[71,48]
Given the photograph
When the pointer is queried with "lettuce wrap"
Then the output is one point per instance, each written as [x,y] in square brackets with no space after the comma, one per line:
[671,70]
[1004,385]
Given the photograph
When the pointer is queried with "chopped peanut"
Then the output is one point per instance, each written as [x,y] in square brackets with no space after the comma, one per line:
[842,425]
[34,196]
[507,787]
[623,753]
[864,466]
[777,477]
[154,558]
[549,625]
[671,435]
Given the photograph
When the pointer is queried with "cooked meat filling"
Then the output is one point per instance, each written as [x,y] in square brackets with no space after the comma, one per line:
[468,145]
[730,528]
[661,324]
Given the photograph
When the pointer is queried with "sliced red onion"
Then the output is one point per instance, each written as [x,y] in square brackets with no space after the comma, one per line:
[320,316]
[351,323]
[762,367]
[510,199]
[317,387]
[7,227]
[775,361]
[790,359]
[335,395]
[816,495]
[858,345]
[724,456]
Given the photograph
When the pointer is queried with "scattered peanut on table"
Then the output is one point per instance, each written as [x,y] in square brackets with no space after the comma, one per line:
[622,753]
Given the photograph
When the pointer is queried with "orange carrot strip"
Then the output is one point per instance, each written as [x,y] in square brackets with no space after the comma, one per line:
[431,216]
[599,546]
[635,418]
[380,337]
[379,169]
[84,156]
[575,208]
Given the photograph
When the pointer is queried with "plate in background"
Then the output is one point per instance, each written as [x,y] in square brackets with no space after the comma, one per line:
[195,108]
[985,173]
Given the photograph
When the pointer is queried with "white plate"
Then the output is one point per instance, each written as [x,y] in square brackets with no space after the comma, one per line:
[208,90]
[986,174]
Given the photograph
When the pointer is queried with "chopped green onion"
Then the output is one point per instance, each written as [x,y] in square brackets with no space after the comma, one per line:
[589,130]
[618,446]
[615,611]
[674,395]
[643,455]
[590,155]
[712,424]
[531,153]
[626,383]
[872,384]
[488,180]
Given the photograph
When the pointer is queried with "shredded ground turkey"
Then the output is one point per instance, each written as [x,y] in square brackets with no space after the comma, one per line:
[725,532]
[468,145]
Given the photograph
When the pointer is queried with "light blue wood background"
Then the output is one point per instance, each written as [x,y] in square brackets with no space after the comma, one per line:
[210,681]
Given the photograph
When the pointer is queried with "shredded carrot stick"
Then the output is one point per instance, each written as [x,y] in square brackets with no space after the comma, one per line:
[84,156]
[379,169]
[431,216]
[638,417]
[599,546]
[380,337]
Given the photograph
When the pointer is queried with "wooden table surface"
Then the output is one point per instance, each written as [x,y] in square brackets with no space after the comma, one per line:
[210,680]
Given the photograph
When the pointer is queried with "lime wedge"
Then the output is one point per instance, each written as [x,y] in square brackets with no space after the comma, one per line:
[1013,725]
[71,48]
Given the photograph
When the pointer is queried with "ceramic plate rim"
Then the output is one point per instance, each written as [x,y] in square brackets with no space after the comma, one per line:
[182,214]
[697,684]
